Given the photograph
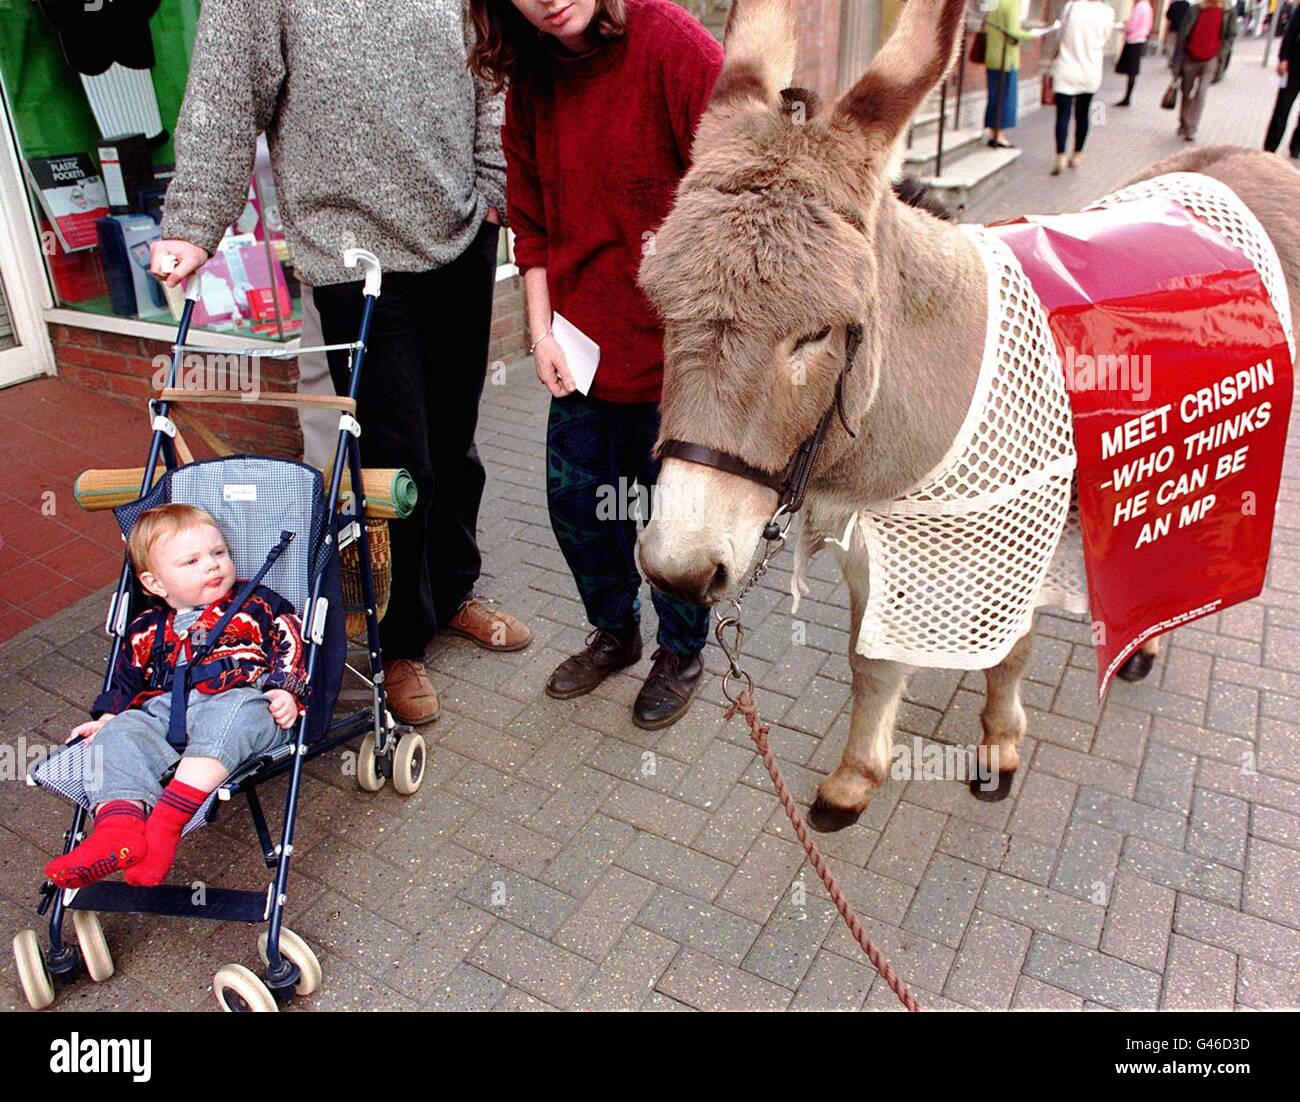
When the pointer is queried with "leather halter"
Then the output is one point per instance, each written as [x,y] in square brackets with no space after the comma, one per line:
[791,484]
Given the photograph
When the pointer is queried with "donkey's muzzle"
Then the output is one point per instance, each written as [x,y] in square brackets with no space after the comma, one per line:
[698,579]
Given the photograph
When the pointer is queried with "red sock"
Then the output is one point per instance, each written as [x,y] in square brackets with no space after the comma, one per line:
[117,842]
[162,832]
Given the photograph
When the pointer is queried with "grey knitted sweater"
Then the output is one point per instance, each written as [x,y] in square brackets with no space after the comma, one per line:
[380,137]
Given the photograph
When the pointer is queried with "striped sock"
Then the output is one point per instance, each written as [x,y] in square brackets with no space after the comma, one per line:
[162,833]
[117,842]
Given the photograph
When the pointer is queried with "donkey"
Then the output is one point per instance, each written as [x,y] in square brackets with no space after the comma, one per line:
[787,251]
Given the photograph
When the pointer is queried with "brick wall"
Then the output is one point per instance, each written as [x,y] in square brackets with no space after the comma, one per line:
[124,367]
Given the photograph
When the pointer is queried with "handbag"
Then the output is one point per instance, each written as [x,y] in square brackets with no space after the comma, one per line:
[1170,99]
[979,45]
[1047,92]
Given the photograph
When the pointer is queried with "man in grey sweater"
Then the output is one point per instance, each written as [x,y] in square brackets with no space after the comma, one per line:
[380,139]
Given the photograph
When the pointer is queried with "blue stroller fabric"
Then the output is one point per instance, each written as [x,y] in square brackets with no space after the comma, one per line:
[254,500]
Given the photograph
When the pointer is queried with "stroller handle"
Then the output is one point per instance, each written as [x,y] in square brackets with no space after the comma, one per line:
[373,269]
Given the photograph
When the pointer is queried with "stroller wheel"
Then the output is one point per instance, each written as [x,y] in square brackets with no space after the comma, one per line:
[32,973]
[408,763]
[94,946]
[368,775]
[299,953]
[239,991]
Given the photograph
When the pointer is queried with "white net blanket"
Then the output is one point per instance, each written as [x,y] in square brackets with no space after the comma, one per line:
[958,564]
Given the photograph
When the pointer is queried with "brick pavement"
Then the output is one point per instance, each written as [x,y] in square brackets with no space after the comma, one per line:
[558,857]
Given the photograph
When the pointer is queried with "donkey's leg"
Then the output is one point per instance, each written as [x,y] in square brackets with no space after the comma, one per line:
[1004,723]
[843,796]
[1140,662]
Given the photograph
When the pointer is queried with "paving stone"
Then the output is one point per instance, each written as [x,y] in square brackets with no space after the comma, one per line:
[594,927]
[1083,769]
[918,960]
[573,806]
[707,984]
[1264,987]
[762,878]
[834,983]
[579,866]
[1243,934]
[1184,872]
[1032,994]
[868,892]
[715,775]
[909,839]
[1166,778]
[736,824]
[1249,784]
[1139,921]
[1198,977]
[1096,976]
[532,964]
[1272,887]
[467,989]
[665,862]
[505,894]
[626,978]
[1122,734]
[1232,709]
[702,926]
[944,900]
[1186,671]
[498,839]
[1218,827]
[973,843]
[1029,860]
[1279,748]
[1042,808]
[1275,826]
[1043,909]
[791,940]
[1086,866]
[1126,816]
[985,972]
[649,811]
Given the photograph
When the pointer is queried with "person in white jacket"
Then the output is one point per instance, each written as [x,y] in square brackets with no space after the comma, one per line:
[1086,26]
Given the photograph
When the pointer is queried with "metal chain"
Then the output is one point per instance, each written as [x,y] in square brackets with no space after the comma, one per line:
[743,703]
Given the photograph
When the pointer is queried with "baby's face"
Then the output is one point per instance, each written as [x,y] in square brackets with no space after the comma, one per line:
[190,568]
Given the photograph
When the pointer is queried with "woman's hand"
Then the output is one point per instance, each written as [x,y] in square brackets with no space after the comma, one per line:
[284,707]
[551,368]
[187,259]
[87,730]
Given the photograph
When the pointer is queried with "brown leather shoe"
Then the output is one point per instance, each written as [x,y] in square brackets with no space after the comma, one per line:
[411,696]
[666,695]
[606,653]
[489,627]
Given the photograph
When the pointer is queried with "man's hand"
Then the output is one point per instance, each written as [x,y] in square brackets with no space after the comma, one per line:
[1282,68]
[494,216]
[551,368]
[88,730]
[187,259]
[284,708]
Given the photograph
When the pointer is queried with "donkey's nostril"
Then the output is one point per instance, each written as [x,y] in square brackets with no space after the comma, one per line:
[718,583]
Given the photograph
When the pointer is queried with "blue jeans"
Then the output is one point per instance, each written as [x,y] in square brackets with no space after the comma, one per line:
[595,452]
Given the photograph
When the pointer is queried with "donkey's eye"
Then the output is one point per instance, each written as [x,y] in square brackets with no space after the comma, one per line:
[813,338]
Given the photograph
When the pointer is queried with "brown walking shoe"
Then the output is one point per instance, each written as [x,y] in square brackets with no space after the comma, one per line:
[606,653]
[489,627]
[666,695]
[411,695]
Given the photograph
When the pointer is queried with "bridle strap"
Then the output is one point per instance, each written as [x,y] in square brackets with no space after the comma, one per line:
[791,485]
[722,461]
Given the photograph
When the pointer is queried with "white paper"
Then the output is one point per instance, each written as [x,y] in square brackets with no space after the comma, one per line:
[581,353]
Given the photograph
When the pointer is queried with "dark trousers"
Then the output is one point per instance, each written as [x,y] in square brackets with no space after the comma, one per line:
[1282,111]
[595,451]
[418,407]
[1080,104]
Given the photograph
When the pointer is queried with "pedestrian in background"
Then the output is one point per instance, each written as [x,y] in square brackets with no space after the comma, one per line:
[1174,16]
[1288,69]
[1206,36]
[1137,29]
[1077,71]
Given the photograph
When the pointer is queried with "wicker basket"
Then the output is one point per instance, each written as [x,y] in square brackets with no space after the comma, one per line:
[381,568]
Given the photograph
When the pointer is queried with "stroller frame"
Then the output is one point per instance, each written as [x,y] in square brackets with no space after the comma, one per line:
[375,725]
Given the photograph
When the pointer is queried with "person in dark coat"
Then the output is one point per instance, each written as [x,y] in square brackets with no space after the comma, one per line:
[1288,67]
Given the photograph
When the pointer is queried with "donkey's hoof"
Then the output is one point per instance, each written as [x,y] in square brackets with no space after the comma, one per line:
[825,818]
[982,790]
[1137,666]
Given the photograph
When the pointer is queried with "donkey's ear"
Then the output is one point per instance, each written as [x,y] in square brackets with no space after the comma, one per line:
[760,43]
[908,66]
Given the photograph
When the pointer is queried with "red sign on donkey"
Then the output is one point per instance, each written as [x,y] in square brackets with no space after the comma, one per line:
[1180,380]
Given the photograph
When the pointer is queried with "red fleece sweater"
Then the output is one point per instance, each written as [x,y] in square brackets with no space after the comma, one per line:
[593,159]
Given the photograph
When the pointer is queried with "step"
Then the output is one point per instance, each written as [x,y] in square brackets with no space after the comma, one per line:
[972,175]
[956,143]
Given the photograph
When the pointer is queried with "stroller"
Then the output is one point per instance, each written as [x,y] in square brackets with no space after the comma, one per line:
[285,525]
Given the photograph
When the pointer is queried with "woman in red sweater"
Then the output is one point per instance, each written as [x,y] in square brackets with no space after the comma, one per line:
[604,99]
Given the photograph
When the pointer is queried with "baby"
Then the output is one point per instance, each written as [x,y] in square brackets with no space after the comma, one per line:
[244,698]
